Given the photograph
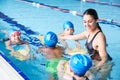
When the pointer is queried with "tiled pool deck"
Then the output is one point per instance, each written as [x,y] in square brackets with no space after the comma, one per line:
[8,71]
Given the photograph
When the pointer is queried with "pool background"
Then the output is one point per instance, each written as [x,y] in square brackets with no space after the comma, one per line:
[41,20]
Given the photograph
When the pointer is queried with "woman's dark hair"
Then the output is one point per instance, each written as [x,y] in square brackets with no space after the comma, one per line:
[94,14]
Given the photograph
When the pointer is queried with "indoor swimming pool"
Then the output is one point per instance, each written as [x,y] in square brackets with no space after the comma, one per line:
[36,17]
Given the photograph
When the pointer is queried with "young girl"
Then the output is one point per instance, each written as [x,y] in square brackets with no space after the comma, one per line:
[14,41]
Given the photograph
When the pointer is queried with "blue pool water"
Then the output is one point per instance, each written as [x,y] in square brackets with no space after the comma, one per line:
[35,20]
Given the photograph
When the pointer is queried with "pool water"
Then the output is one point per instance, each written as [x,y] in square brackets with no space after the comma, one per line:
[35,20]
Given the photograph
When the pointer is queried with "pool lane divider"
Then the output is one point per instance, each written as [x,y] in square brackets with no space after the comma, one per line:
[16,68]
[103,3]
[28,32]
[75,13]
[15,23]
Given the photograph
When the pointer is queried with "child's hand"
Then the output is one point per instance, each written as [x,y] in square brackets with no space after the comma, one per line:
[13,51]
[60,66]
[78,45]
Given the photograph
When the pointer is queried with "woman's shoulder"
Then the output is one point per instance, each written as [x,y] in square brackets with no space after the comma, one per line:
[100,36]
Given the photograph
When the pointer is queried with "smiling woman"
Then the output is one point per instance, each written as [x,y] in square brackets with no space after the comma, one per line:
[93,34]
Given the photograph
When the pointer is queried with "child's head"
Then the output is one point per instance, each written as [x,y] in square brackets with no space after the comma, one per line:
[50,39]
[80,64]
[15,36]
[68,28]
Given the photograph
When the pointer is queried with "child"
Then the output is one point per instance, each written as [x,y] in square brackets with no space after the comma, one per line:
[68,28]
[52,52]
[75,69]
[14,40]
[50,49]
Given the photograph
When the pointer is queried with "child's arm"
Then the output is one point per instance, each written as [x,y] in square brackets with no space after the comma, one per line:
[65,44]
[64,70]
[27,47]
[77,44]
[7,43]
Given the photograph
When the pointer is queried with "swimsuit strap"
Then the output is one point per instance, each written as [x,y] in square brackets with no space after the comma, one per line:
[86,78]
[94,36]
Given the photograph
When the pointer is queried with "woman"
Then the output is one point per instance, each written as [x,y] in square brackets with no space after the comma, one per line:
[96,41]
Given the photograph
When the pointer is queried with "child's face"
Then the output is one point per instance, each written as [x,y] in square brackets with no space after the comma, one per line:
[16,38]
[69,31]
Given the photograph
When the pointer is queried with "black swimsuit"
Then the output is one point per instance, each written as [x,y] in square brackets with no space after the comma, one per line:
[94,53]
[89,45]
[84,79]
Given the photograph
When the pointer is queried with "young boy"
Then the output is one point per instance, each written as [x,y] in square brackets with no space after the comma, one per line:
[75,68]
[52,52]
[68,29]
[50,48]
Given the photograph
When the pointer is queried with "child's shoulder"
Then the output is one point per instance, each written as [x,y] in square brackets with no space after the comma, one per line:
[59,47]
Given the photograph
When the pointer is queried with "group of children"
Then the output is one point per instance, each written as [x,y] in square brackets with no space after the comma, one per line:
[60,67]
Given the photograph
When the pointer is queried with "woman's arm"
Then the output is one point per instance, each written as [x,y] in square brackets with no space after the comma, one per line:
[80,36]
[65,44]
[102,50]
